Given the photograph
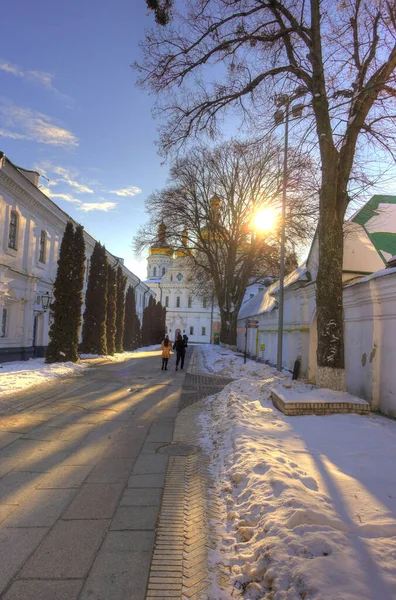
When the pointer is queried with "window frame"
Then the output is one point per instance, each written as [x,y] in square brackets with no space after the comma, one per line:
[166,301]
[13,227]
[203,331]
[190,302]
[3,323]
[154,271]
[191,329]
[204,302]
[43,247]
[177,301]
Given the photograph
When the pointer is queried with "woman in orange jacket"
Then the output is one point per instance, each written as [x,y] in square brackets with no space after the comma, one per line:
[166,351]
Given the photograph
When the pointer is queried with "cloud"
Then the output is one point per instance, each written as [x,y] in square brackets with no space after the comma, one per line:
[42,78]
[105,206]
[27,124]
[66,176]
[66,197]
[83,189]
[130,191]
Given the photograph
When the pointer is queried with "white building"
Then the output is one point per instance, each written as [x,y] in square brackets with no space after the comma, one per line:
[168,276]
[31,230]
[369,300]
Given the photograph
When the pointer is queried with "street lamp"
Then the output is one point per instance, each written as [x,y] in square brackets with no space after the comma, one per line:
[45,301]
[280,116]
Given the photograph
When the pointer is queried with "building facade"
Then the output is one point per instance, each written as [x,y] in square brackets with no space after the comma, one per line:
[169,278]
[31,231]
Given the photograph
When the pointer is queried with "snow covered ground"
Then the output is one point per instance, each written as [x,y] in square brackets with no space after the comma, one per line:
[19,376]
[309,502]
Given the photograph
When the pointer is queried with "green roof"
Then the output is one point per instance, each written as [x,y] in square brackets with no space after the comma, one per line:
[383,241]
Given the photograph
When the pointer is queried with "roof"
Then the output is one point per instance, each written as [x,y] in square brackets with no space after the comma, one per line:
[265,300]
[379,223]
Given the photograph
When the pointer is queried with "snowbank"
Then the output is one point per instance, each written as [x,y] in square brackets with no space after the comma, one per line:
[18,376]
[309,502]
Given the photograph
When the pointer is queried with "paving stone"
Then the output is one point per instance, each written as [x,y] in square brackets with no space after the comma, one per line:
[8,437]
[41,509]
[26,448]
[123,450]
[20,423]
[135,517]
[6,510]
[16,546]
[42,463]
[160,435]
[118,575]
[16,485]
[112,470]
[90,454]
[147,464]
[129,541]
[67,552]
[95,501]
[151,447]
[7,464]
[32,589]
[141,497]
[147,481]
[66,477]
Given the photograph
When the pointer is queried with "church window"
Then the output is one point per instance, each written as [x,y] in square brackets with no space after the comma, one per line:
[155,271]
[163,270]
[178,301]
[189,302]
[171,277]
[204,302]
[191,330]
[179,276]
[43,243]
[166,301]
[12,234]
[203,330]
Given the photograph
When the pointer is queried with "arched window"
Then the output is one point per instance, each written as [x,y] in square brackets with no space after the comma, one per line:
[155,272]
[43,243]
[12,234]
[163,270]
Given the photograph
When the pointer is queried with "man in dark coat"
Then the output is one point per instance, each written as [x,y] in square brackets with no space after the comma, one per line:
[180,351]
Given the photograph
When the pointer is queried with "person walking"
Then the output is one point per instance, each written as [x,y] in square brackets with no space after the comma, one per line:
[166,350]
[180,351]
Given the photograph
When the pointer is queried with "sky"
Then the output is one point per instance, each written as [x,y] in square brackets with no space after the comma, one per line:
[70,109]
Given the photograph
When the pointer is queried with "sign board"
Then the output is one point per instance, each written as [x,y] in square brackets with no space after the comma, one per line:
[252,325]
[262,347]
[241,330]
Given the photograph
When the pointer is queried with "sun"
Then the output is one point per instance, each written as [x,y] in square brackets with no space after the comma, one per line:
[265,219]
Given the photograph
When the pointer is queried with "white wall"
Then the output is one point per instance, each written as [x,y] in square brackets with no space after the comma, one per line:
[370,337]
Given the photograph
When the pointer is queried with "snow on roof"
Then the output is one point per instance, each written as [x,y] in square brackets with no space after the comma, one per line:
[265,301]
[381,273]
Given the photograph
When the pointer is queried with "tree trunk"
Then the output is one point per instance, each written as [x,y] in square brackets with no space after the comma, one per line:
[228,328]
[330,350]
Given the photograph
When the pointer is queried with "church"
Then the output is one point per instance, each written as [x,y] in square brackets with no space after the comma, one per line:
[169,278]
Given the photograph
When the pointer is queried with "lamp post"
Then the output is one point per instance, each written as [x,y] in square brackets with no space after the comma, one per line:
[46,301]
[280,115]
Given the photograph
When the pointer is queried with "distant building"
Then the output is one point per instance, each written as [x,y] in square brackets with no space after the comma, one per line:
[169,278]
[31,230]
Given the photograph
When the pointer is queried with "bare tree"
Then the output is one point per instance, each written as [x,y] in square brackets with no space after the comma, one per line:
[220,54]
[208,210]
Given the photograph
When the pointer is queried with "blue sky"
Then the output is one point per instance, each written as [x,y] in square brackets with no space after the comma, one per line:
[69,108]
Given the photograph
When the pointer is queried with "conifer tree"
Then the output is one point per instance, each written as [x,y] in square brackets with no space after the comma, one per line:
[66,308]
[130,322]
[111,308]
[147,323]
[94,326]
[120,310]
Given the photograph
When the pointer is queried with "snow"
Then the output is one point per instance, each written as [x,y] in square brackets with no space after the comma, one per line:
[308,503]
[265,301]
[18,376]
[291,393]
[375,275]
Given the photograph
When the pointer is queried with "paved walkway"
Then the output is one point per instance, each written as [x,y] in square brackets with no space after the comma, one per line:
[81,483]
